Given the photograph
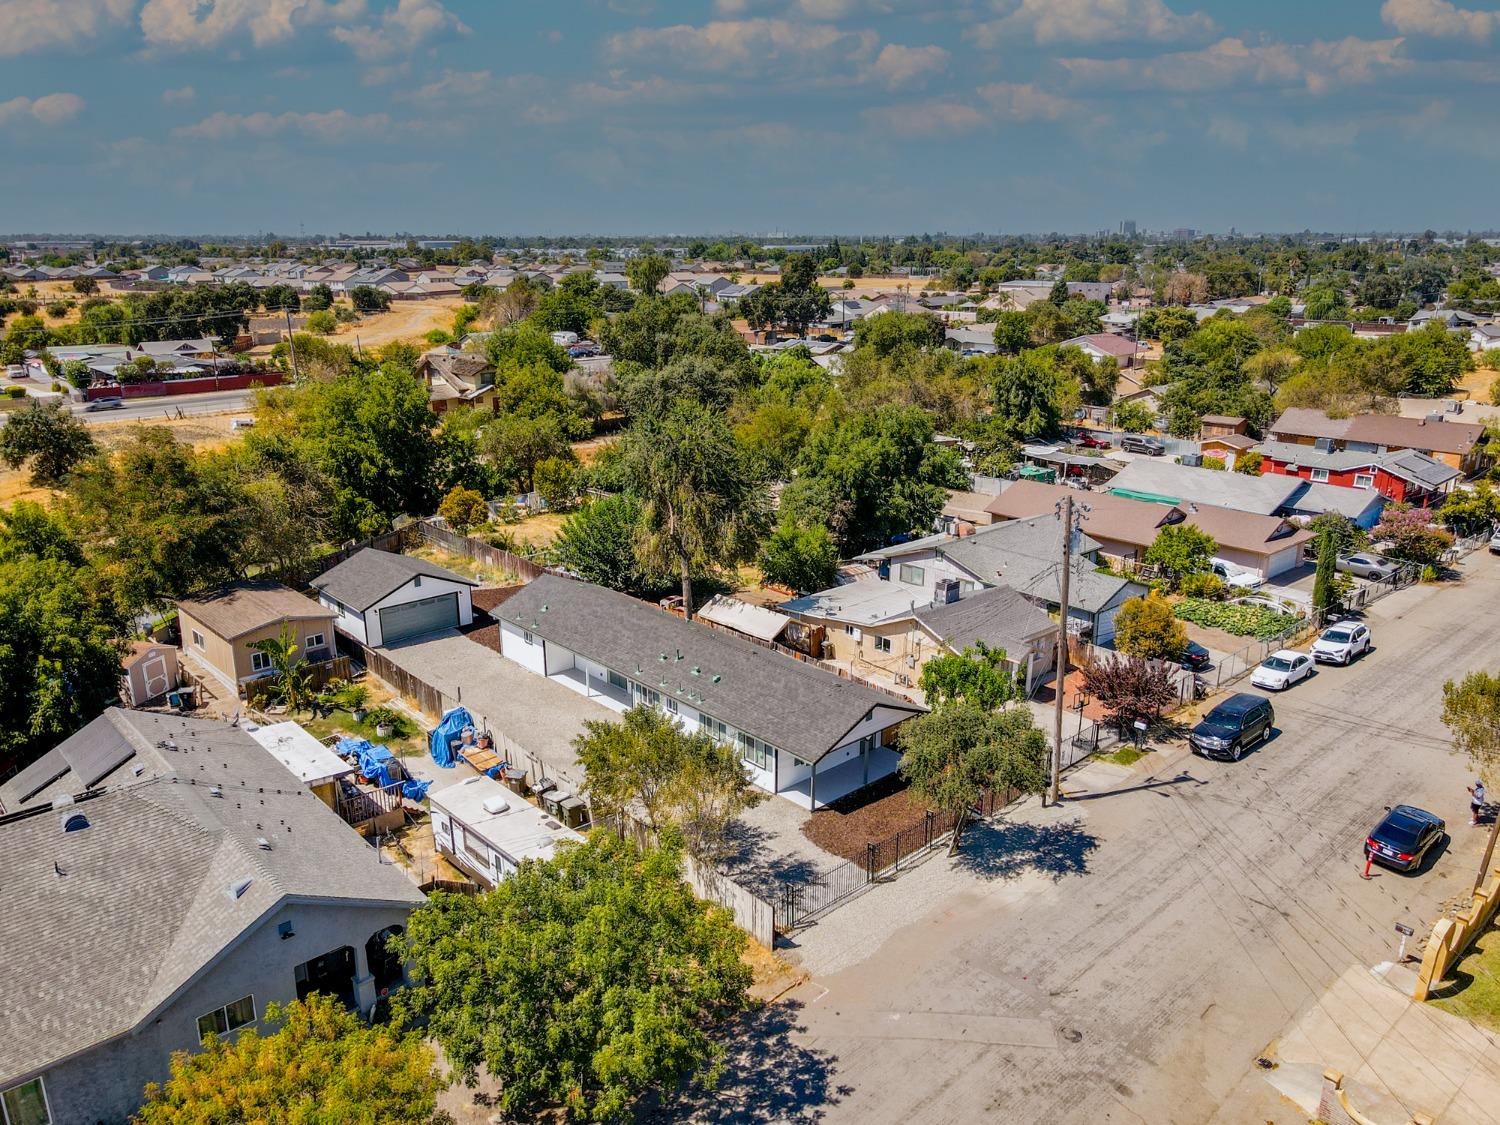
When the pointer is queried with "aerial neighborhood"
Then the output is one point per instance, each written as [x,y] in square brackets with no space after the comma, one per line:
[719,671]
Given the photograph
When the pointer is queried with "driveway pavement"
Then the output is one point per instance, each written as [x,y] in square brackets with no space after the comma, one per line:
[1129,956]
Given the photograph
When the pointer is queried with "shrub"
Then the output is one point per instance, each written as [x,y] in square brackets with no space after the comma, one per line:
[1206,586]
[1257,621]
[321,322]
[1249,463]
[1215,463]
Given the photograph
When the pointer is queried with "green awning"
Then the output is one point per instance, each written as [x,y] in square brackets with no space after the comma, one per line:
[1037,472]
[1148,497]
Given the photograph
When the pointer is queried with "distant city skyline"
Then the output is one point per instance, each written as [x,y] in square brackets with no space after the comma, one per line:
[634,117]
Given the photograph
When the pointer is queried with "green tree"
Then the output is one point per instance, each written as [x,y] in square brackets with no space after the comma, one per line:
[979,676]
[49,436]
[586,980]
[701,505]
[1325,579]
[289,679]
[646,273]
[793,303]
[322,321]
[1410,535]
[1249,463]
[316,1063]
[802,559]
[1181,549]
[464,509]
[1026,395]
[950,756]
[597,543]
[1132,416]
[368,299]
[1148,629]
[646,764]
[515,446]
[557,482]
[891,331]
[1471,511]
[1471,712]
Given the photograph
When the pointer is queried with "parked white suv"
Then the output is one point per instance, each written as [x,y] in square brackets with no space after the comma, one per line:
[1237,577]
[1340,644]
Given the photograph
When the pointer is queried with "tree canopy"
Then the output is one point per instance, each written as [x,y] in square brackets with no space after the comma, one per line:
[584,980]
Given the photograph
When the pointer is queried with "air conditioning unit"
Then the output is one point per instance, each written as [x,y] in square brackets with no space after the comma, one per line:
[911,661]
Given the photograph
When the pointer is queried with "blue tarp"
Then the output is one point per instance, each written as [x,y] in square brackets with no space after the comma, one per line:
[372,761]
[415,790]
[449,730]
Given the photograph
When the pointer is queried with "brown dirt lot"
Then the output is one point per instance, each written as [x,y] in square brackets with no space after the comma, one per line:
[405,320]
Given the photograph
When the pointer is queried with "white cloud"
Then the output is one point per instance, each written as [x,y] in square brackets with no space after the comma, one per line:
[621,91]
[185,24]
[897,65]
[750,47]
[330,126]
[1092,21]
[33,25]
[1024,102]
[49,109]
[454,84]
[403,28]
[1438,18]
[181,94]
[925,118]
[1317,67]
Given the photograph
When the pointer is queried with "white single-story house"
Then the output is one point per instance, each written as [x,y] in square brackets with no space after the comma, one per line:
[486,830]
[383,598]
[803,733]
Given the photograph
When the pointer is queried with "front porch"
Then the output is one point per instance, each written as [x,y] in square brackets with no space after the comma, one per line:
[824,786]
[593,687]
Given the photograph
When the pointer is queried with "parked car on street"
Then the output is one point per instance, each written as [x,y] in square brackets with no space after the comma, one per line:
[1340,644]
[1367,566]
[1495,543]
[1195,657]
[1143,443]
[1233,726]
[1282,669]
[1089,439]
[1403,838]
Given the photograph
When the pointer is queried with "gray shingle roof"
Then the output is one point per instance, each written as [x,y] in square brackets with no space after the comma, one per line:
[1000,617]
[134,906]
[797,707]
[366,576]
[1263,495]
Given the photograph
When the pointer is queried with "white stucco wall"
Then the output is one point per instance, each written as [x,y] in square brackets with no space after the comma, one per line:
[513,646]
[350,622]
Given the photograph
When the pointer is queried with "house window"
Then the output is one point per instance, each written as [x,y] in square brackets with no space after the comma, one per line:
[314,641]
[260,662]
[197,639]
[868,743]
[528,638]
[882,644]
[25,1104]
[669,703]
[849,630]
[757,753]
[231,1017]
[1364,480]
[1319,476]
[417,581]
[911,575]
[617,680]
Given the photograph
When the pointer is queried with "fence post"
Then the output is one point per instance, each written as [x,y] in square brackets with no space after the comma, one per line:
[870,862]
[927,828]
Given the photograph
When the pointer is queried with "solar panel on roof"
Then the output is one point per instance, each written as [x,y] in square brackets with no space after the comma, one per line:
[95,752]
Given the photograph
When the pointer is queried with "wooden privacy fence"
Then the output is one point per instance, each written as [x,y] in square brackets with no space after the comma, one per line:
[319,676]
[299,577]
[428,699]
[478,550]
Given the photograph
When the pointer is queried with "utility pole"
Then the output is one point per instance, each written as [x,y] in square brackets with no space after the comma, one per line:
[292,345]
[1060,682]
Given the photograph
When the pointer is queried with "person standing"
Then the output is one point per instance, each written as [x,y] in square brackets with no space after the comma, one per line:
[1476,800]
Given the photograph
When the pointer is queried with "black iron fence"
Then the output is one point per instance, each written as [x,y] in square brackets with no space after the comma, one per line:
[797,903]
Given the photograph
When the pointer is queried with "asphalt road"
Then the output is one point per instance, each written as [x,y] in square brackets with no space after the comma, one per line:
[148,409]
[1129,961]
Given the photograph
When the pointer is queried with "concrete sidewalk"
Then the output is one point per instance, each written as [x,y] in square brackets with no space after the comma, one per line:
[1399,1057]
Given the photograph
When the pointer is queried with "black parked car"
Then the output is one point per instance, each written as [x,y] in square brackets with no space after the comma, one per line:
[1143,443]
[1403,839]
[1233,726]
[1195,657]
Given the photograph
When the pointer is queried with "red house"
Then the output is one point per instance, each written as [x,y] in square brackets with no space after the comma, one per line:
[1404,477]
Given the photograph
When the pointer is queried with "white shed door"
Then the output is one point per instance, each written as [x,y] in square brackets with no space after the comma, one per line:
[398,622]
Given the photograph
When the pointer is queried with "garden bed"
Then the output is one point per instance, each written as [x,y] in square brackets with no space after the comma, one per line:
[869,816]
[1256,621]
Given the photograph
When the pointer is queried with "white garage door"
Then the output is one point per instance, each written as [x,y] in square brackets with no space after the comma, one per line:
[398,622]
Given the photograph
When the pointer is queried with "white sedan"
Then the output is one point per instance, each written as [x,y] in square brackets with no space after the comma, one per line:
[1340,644]
[1282,669]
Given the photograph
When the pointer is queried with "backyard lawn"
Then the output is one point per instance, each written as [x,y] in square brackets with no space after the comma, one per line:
[1476,994]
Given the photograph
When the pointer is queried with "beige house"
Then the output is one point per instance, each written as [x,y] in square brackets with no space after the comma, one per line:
[219,628]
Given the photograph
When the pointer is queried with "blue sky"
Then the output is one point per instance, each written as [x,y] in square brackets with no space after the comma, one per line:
[636,116]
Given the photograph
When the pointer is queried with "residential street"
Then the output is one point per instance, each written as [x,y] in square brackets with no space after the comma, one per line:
[1128,957]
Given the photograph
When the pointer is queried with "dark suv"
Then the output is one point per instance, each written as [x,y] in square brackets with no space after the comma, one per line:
[1239,722]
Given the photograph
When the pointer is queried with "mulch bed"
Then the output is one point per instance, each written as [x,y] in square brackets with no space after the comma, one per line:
[869,816]
[490,598]
[486,630]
